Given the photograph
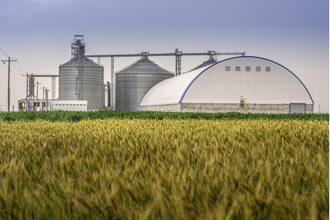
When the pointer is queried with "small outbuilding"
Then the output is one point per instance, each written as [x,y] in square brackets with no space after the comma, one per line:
[239,84]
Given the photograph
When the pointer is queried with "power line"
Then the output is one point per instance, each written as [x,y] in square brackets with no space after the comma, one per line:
[6,55]
[18,71]
[16,65]
[4,52]
[15,71]
[15,74]
[19,65]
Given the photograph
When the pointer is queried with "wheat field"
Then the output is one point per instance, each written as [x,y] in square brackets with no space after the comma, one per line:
[164,169]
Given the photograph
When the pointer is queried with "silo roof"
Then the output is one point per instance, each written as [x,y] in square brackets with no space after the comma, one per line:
[80,61]
[206,63]
[144,66]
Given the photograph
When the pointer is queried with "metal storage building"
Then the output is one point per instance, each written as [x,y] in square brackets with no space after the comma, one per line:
[133,82]
[265,85]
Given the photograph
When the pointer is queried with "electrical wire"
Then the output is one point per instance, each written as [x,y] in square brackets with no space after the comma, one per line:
[4,52]
[15,74]
[15,63]
[19,65]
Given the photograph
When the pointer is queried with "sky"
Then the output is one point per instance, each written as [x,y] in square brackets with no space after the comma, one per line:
[38,33]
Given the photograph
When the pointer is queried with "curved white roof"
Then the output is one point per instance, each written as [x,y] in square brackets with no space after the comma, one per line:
[257,79]
[170,90]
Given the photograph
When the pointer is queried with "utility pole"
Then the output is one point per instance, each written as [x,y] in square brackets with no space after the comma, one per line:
[8,61]
[113,85]
[27,91]
[46,98]
[27,85]
[38,102]
[43,97]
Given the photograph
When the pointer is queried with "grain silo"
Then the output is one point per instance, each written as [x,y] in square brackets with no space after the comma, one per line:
[82,78]
[211,60]
[133,82]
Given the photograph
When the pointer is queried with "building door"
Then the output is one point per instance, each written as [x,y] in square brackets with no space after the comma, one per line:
[297,108]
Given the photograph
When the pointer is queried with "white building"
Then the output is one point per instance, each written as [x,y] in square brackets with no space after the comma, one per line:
[35,104]
[265,85]
[68,105]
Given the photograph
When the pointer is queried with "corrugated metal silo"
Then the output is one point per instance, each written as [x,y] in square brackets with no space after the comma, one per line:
[210,61]
[82,79]
[135,81]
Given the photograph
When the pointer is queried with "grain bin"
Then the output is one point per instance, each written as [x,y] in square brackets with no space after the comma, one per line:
[134,82]
[208,62]
[82,78]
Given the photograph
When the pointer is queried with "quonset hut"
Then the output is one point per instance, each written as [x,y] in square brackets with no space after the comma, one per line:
[246,83]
